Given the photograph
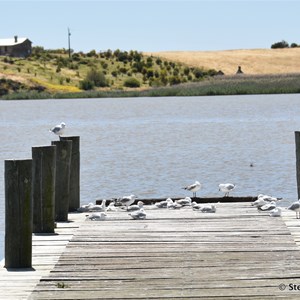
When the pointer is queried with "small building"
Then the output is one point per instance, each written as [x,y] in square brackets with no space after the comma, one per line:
[15,47]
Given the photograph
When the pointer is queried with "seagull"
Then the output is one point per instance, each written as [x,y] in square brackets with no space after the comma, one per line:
[173,205]
[296,208]
[196,206]
[58,129]
[127,200]
[193,187]
[111,207]
[268,198]
[162,204]
[268,206]
[208,209]
[100,207]
[276,212]
[226,188]
[85,207]
[187,201]
[259,203]
[138,214]
[99,216]
[135,207]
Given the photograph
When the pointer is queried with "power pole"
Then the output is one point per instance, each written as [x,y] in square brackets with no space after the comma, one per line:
[69,43]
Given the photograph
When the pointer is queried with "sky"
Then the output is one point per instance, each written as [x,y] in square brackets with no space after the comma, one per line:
[151,26]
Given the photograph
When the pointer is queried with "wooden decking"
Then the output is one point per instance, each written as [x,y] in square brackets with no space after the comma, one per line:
[46,250]
[236,253]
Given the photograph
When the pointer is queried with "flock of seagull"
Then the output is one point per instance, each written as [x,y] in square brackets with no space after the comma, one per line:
[263,202]
[137,212]
[268,203]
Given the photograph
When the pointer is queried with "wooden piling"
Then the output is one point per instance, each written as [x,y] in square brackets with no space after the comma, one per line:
[297,142]
[62,179]
[75,172]
[43,188]
[18,213]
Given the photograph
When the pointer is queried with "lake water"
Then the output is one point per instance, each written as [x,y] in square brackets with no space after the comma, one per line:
[152,147]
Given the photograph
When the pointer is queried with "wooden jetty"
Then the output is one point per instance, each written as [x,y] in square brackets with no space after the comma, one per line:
[235,253]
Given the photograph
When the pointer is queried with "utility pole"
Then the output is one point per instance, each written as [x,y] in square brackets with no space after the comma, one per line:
[69,34]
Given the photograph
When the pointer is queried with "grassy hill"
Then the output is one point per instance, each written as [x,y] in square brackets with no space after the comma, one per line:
[51,73]
[254,62]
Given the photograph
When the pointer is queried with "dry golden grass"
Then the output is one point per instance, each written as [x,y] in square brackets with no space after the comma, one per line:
[254,61]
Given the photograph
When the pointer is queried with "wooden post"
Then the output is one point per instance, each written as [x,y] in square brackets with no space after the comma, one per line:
[43,188]
[75,172]
[62,180]
[18,213]
[297,141]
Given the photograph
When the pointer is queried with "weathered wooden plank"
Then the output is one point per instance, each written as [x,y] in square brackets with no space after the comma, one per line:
[237,253]
[19,283]
[177,254]
[172,293]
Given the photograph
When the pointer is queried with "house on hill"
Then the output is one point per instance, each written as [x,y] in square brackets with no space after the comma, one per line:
[15,47]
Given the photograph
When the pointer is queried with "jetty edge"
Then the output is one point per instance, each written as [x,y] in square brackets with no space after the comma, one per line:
[230,199]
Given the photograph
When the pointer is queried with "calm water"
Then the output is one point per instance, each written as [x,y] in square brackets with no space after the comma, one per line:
[153,146]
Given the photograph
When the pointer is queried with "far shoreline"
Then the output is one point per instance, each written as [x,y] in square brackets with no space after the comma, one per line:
[217,86]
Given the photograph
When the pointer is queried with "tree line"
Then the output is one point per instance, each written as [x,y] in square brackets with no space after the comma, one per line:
[284,44]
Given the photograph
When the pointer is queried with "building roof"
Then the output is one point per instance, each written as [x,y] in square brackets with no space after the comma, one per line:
[11,41]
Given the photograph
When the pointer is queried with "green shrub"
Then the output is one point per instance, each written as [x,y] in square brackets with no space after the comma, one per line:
[198,73]
[3,91]
[150,73]
[149,62]
[186,71]
[138,66]
[158,61]
[156,83]
[86,85]
[104,64]
[92,53]
[132,83]
[282,44]
[97,77]
[123,70]
[174,80]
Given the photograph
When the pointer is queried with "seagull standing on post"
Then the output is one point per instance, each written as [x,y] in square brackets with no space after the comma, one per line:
[58,129]
[193,187]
